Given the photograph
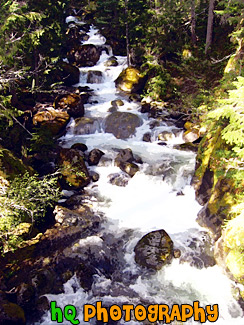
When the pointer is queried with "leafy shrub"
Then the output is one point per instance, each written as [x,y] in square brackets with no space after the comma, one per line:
[25,200]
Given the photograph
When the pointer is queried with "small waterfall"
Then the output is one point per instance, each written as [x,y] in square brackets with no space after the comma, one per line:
[159,196]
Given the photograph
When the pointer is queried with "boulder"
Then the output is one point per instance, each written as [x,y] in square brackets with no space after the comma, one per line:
[146,137]
[135,98]
[145,108]
[111,62]
[94,157]
[84,55]
[66,73]
[53,120]
[165,136]
[11,313]
[86,125]
[191,135]
[73,168]
[94,176]
[130,80]
[154,250]
[124,155]
[70,103]
[119,179]
[79,146]
[187,146]
[229,248]
[129,168]
[122,124]
[67,217]
[117,102]
[94,77]
[10,167]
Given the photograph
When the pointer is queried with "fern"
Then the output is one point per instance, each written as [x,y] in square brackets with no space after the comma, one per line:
[231,110]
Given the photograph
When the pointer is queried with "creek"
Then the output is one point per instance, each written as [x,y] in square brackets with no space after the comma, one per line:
[158,196]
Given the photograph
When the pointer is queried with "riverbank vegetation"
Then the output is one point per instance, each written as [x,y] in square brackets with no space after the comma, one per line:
[191,53]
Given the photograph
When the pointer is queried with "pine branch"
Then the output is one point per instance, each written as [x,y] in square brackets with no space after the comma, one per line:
[16,120]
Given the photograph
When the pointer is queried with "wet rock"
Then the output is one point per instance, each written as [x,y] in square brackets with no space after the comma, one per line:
[122,124]
[191,135]
[66,73]
[177,253]
[94,176]
[11,314]
[211,221]
[84,55]
[147,137]
[154,250]
[119,179]
[67,217]
[145,108]
[204,188]
[130,80]
[135,98]
[188,146]
[129,168]
[53,120]
[179,119]
[94,77]
[86,125]
[94,157]
[73,169]
[112,109]
[124,155]
[105,47]
[70,103]
[153,124]
[79,146]
[85,275]
[111,62]
[117,102]
[165,136]
[198,250]
[162,143]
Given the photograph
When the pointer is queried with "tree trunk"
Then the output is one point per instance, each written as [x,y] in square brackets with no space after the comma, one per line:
[193,23]
[210,25]
[127,34]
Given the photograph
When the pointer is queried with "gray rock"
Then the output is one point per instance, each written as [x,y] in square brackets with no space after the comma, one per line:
[122,124]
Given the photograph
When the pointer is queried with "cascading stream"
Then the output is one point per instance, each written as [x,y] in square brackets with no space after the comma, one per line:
[159,196]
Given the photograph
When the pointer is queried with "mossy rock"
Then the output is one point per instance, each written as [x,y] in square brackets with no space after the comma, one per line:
[122,124]
[64,72]
[73,168]
[154,250]
[130,80]
[53,120]
[191,135]
[111,62]
[23,230]
[235,264]
[70,103]
[11,166]
[86,55]
[11,313]
[233,243]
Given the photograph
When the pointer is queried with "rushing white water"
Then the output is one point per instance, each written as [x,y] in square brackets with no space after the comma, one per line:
[149,202]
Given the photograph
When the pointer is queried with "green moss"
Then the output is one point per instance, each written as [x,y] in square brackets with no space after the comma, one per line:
[235,263]
[11,166]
